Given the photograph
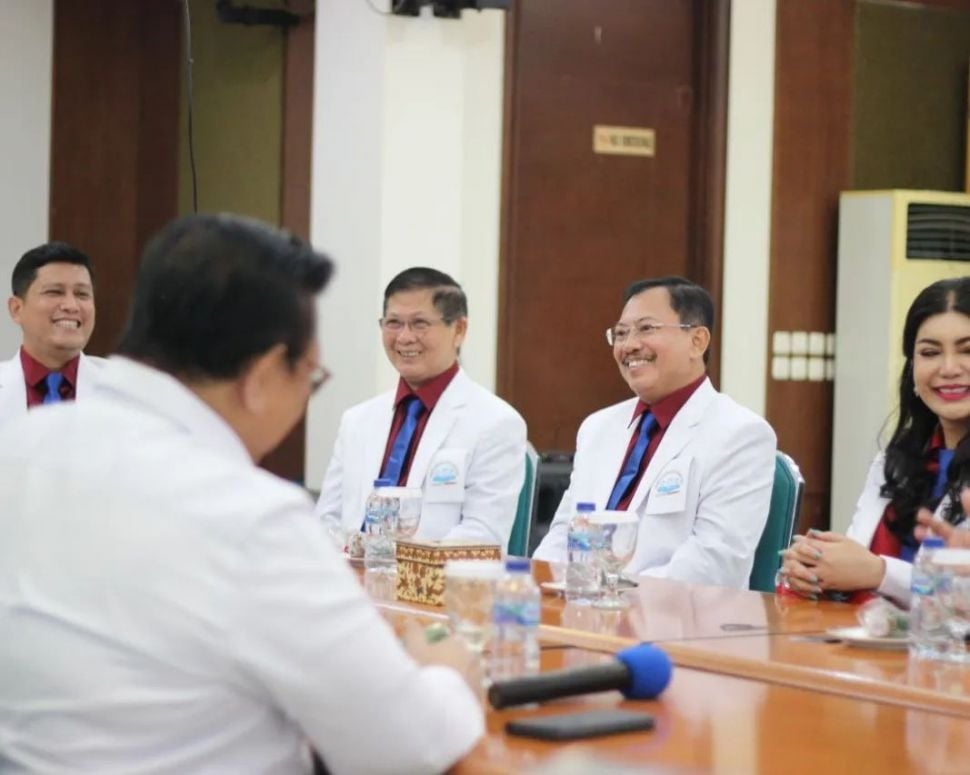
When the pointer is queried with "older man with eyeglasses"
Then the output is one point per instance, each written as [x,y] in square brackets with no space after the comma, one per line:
[439,430]
[694,465]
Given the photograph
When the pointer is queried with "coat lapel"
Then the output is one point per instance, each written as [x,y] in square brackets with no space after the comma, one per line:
[610,456]
[13,392]
[678,434]
[375,432]
[86,377]
[440,423]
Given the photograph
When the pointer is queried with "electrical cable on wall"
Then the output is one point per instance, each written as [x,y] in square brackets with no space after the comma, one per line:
[188,85]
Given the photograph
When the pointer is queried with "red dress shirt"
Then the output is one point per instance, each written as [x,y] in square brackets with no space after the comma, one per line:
[36,372]
[664,412]
[428,394]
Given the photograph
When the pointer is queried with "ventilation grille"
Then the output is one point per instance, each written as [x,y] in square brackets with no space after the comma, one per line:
[938,232]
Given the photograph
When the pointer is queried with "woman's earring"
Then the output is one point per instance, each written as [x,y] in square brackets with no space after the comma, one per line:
[915,391]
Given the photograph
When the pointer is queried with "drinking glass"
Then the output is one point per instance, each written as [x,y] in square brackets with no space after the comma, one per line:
[616,542]
[469,589]
[405,502]
[952,570]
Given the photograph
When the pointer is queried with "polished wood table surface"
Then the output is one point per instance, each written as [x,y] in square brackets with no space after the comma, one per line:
[662,610]
[715,723]
[746,635]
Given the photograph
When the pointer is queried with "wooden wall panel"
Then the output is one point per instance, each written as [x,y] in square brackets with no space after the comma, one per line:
[288,459]
[114,139]
[578,227]
[813,93]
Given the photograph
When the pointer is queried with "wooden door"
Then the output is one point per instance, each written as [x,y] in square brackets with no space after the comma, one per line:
[579,226]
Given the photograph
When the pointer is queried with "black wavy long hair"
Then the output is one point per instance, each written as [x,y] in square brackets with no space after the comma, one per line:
[907,482]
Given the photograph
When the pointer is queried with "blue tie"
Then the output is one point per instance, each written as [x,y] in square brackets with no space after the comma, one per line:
[908,550]
[629,473]
[53,381]
[402,442]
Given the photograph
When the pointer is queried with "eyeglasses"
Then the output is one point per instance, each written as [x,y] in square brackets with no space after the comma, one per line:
[641,329]
[418,326]
[319,376]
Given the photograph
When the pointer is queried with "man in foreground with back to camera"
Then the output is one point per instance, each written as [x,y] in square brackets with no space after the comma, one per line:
[52,302]
[696,467]
[440,431]
[165,606]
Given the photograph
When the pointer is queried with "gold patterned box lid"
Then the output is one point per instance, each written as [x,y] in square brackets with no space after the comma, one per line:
[438,552]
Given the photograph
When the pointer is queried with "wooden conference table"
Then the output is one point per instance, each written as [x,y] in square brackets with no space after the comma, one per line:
[756,688]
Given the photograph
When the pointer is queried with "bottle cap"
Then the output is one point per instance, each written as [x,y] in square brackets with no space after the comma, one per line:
[518,564]
[584,506]
[933,542]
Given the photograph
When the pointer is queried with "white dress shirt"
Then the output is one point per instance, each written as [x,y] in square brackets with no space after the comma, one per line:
[165,606]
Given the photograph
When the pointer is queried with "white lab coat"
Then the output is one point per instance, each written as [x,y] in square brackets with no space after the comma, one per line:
[13,391]
[472,435]
[167,607]
[703,499]
[868,513]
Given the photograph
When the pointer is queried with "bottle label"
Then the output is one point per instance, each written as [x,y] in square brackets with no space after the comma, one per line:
[521,613]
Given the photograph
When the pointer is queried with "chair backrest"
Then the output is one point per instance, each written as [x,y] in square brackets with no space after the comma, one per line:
[525,511]
[786,504]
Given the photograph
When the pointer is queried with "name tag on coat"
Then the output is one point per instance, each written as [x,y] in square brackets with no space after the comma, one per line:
[445,482]
[669,492]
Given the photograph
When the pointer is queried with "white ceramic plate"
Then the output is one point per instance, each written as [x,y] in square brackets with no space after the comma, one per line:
[857,636]
[554,587]
[559,587]
[357,562]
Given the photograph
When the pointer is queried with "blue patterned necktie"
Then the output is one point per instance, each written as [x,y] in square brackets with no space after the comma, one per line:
[629,473]
[53,382]
[402,442]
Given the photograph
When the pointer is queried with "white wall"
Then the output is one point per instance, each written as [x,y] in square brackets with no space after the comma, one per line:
[406,171]
[747,221]
[26,55]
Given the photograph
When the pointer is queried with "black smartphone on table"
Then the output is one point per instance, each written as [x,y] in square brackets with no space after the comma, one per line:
[576,726]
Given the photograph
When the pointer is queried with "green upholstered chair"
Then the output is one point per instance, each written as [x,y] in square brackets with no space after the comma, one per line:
[525,511]
[786,503]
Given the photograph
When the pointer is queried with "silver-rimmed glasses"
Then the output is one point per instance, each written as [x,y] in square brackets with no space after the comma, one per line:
[418,326]
[641,329]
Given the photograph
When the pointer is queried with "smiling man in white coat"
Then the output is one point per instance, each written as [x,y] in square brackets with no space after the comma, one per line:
[165,605]
[53,303]
[439,430]
[695,466]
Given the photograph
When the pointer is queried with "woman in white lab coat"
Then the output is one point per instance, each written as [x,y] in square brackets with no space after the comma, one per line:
[924,466]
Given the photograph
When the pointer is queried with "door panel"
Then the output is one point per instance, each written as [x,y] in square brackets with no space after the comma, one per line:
[580,226]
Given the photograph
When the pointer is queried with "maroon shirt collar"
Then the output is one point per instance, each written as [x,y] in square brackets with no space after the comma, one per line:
[36,372]
[429,393]
[667,407]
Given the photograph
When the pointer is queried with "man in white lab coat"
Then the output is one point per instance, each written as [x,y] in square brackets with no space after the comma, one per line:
[166,606]
[52,302]
[439,430]
[696,467]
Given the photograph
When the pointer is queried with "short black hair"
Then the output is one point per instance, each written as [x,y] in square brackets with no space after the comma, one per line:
[691,302]
[448,297]
[215,291]
[25,272]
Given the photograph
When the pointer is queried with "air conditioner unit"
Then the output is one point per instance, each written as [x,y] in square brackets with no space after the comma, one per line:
[892,244]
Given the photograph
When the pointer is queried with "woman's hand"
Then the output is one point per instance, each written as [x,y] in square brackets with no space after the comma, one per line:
[930,525]
[822,561]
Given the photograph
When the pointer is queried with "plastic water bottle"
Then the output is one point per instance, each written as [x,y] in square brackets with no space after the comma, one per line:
[927,628]
[582,572]
[515,616]
[380,562]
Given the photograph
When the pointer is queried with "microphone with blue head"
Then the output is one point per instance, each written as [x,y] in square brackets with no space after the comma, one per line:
[641,672]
